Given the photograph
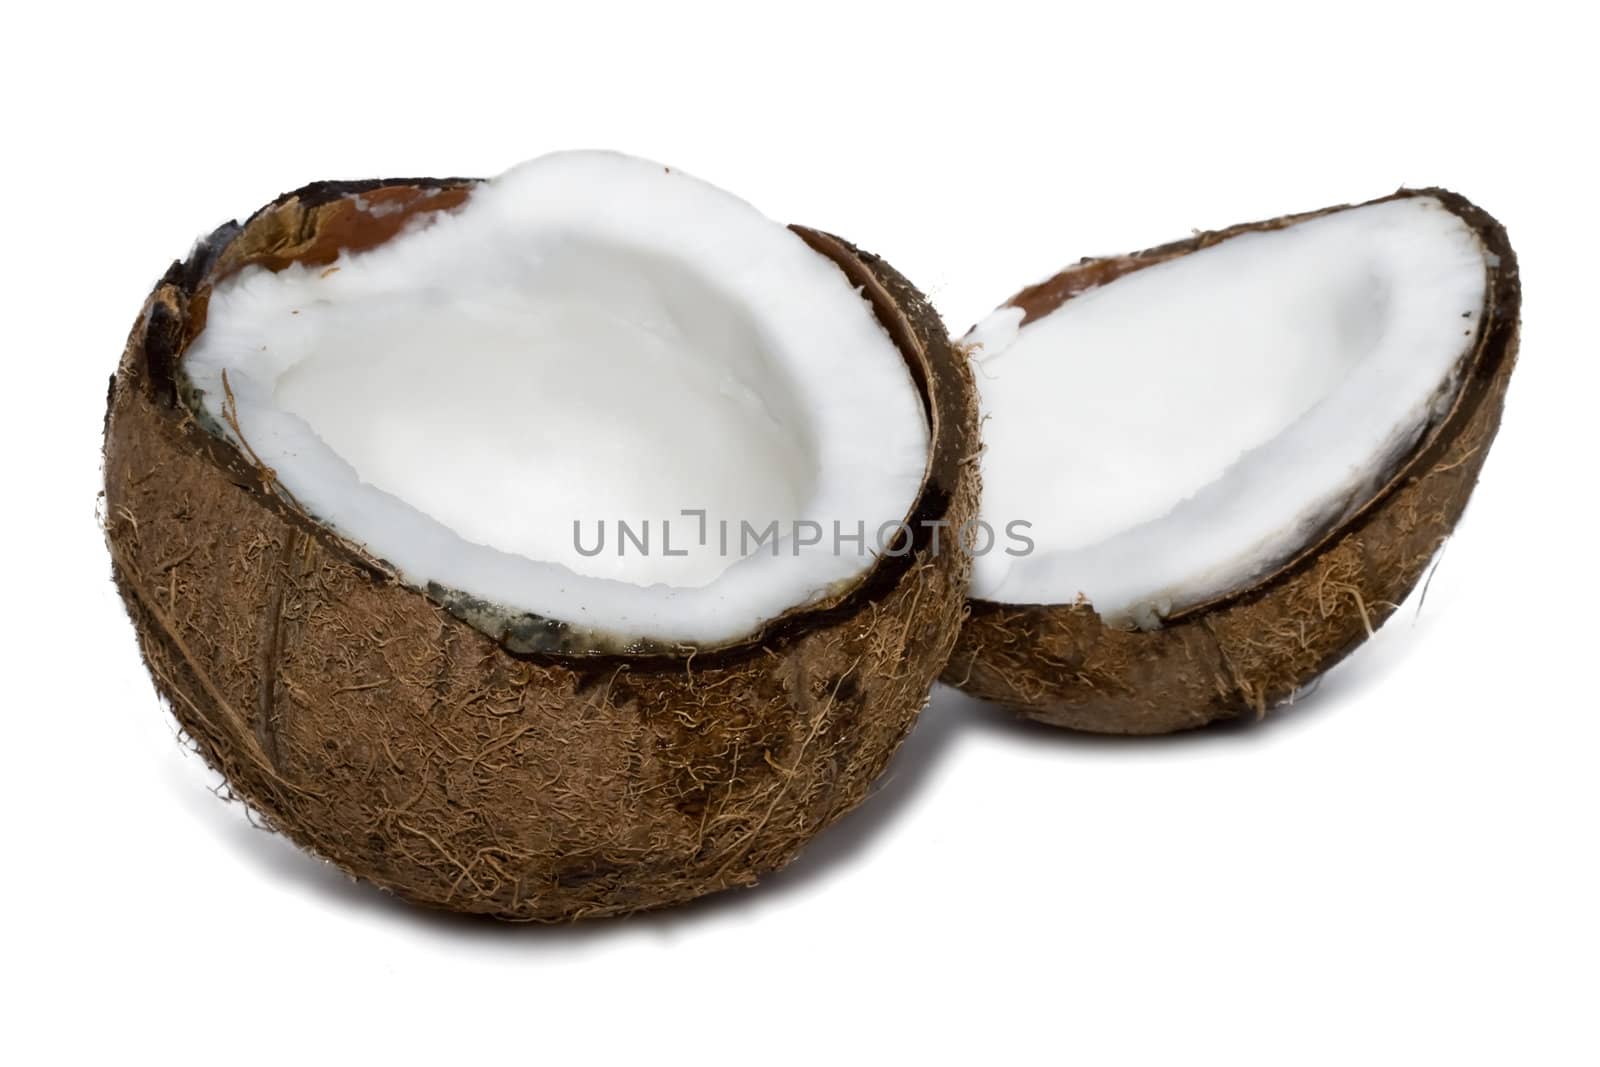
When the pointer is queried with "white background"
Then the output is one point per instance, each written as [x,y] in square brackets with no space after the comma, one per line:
[1401,869]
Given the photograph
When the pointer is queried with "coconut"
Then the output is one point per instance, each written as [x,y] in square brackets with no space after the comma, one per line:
[358,455]
[1226,460]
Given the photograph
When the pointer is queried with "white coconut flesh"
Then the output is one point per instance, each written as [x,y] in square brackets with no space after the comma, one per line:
[590,339]
[1180,432]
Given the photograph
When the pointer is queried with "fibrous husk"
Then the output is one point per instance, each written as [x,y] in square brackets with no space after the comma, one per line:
[370,725]
[1254,648]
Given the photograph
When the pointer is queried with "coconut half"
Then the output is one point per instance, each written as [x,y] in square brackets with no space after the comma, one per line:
[1226,460]
[557,545]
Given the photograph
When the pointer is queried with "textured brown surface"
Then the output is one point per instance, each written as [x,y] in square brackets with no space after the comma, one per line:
[1244,653]
[417,752]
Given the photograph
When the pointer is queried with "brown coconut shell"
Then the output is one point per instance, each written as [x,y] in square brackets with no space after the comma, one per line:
[1250,650]
[450,765]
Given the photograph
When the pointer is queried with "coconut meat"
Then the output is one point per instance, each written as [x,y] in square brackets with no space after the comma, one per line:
[590,339]
[1182,430]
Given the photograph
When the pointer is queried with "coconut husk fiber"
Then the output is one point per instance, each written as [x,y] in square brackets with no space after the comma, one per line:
[450,765]
[1255,648]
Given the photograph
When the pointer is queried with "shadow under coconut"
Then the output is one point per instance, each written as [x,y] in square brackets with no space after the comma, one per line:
[949,715]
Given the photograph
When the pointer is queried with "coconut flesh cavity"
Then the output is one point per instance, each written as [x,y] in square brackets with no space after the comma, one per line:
[1186,428]
[590,339]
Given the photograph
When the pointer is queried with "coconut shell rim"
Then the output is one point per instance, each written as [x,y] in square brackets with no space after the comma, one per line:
[1495,345]
[174,315]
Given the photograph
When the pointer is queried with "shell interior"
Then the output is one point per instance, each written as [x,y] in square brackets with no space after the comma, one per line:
[600,392]
[1180,431]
